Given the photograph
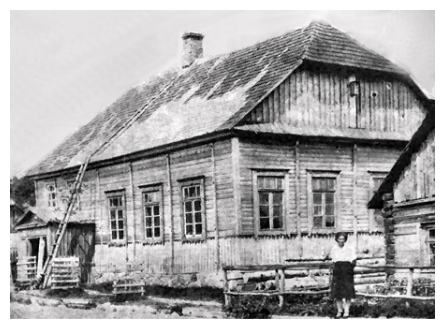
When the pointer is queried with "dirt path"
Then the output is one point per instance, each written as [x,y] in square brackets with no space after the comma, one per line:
[36,307]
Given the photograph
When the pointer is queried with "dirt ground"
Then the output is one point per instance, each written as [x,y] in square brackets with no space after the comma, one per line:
[36,305]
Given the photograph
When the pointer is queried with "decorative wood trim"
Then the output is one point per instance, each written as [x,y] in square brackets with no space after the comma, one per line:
[133,207]
[297,190]
[170,196]
[354,193]
[215,208]
[236,184]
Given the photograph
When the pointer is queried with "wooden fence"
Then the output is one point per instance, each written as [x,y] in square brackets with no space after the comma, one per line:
[65,273]
[26,269]
[283,272]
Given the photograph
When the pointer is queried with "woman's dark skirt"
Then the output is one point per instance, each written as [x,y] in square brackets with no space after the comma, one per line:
[342,285]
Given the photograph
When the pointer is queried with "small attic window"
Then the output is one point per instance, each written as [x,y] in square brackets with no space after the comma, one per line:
[51,195]
[354,88]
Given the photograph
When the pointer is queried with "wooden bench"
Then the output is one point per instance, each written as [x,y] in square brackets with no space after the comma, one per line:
[128,287]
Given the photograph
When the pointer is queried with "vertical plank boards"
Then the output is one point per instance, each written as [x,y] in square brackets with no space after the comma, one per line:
[170,201]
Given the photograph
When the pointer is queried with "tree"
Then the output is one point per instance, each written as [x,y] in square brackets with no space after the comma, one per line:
[21,190]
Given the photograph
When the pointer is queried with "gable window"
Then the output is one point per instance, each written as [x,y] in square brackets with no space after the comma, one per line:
[51,195]
[323,204]
[117,216]
[193,209]
[271,202]
[152,213]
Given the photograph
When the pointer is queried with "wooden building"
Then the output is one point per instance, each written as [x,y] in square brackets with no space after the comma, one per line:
[407,199]
[15,212]
[36,235]
[252,157]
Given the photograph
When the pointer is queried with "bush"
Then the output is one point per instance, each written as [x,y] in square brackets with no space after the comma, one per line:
[250,307]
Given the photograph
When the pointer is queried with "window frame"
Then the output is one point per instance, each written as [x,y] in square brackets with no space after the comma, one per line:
[188,182]
[282,173]
[148,189]
[114,194]
[334,174]
[54,202]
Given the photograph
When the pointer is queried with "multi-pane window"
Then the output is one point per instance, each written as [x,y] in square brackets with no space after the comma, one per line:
[152,213]
[116,208]
[270,202]
[323,199]
[193,204]
[51,195]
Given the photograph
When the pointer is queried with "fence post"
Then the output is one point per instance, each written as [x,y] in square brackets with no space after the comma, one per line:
[409,285]
[226,289]
[282,287]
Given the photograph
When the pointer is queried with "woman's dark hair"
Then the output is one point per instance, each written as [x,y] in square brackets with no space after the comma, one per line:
[339,234]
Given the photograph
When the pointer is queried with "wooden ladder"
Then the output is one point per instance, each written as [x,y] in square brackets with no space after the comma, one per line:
[47,268]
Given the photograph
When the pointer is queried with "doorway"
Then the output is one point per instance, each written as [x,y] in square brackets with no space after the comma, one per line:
[37,248]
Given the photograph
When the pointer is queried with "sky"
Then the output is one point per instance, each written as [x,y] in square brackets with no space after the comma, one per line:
[66,66]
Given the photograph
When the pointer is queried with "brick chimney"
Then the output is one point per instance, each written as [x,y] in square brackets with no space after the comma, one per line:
[191,48]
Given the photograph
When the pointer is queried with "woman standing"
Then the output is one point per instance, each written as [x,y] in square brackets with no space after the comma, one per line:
[342,286]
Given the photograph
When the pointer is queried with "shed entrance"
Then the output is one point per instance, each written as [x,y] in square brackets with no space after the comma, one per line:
[37,248]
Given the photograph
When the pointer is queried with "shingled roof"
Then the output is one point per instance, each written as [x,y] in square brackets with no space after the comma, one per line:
[210,96]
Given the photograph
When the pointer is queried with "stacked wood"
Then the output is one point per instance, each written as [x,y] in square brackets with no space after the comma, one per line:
[26,269]
[65,273]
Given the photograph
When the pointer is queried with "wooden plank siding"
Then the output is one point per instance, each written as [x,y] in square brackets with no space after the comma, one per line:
[418,179]
[318,157]
[155,257]
[319,97]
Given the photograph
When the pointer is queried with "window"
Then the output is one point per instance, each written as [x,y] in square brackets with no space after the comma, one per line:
[323,197]
[51,195]
[193,209]
[323,205]
[116,208]
[270,202]
[152,203]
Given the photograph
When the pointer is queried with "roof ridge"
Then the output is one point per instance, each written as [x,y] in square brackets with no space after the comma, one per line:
[311,27]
